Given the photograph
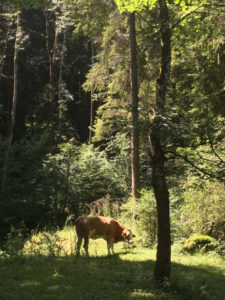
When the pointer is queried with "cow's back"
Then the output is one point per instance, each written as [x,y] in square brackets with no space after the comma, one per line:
[97,226]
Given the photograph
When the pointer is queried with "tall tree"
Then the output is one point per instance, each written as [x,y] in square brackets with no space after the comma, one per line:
[52,33]
[92,109]
[157,139]
[135,164]
[157,143]
[60,80]
[14,104]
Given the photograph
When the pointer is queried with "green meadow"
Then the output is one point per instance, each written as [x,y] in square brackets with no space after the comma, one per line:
[49,269]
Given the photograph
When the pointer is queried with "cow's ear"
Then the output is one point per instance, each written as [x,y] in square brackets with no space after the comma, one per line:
[134,235]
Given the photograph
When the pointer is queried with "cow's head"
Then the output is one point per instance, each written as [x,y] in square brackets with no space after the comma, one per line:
[128,236]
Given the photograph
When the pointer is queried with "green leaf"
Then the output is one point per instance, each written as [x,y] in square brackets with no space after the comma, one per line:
[135,5]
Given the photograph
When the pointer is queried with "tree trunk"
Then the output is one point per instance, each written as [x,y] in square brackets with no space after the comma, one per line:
[135,164]
[157,143]
[4,48]
[51,41]
[13,110]
[51,36]
[92,108]
[60,83]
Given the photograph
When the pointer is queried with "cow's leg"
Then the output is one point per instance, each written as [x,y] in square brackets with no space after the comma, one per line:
[79,242]
[110,245]
[86,242]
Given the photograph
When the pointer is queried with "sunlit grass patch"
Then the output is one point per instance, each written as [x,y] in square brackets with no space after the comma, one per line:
[51,243]
[63,242]
[60,275]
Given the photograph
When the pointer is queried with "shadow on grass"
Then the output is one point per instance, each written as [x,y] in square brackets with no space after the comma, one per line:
[71,278]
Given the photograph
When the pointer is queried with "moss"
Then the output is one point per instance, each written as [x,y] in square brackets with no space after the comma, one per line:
[197,242]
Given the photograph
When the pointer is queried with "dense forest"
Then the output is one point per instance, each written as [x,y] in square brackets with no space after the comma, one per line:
[114,108]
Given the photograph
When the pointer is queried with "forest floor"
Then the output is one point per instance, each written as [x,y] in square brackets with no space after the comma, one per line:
[125,275]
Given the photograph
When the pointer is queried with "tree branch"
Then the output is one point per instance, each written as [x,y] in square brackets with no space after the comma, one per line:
[187,15]
[216,154]
[185,158]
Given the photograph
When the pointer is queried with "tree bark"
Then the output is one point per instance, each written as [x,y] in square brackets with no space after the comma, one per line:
[51,36]
[92,108]
[13,110]
[3,52]
[157,143]
[135,164]
[51,41]
[60,82]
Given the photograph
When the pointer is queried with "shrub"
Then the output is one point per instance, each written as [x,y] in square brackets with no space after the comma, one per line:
[146,217]
[51,243]
[203,208]
[105,207]
[88,175]
[197,242]
[15,241]
[220,247]
[24,195]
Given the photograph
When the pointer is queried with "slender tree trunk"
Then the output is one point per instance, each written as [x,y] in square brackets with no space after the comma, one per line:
[47,43]
[51,40]
[135,164]
[13,110]
[92,108]
[3,52]
[157,143]
[60,81]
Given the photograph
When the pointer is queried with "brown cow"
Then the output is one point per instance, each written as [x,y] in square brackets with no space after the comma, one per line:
[101,227]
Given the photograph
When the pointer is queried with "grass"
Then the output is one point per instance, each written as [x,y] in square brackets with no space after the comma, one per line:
[126,275]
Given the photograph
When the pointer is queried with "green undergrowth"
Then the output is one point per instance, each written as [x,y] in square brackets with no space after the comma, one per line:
[60,275]
[198,242]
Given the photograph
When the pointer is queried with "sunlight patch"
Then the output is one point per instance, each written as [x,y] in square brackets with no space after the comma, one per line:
[142,294]
[57,275]
[30,284]
[54,288]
